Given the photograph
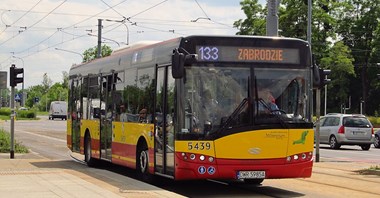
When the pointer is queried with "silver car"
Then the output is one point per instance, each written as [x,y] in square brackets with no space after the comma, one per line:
[346,129]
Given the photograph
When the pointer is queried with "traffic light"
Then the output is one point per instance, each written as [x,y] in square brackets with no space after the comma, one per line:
[13,75]
[320,77]
[323,77]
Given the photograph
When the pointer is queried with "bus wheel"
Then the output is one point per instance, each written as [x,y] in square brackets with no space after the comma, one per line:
[87,152]
[142,163]
[253,181]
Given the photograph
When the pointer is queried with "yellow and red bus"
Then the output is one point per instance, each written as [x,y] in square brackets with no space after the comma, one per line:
[197,107]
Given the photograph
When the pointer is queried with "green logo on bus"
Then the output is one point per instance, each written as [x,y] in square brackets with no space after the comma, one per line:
[302,139]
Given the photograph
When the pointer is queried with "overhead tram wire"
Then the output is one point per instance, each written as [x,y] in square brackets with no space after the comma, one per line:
[37,43]
[27,12]
[202,9]
[113,9]
[208,18]
[34,23]
[90,17]
[55,45]
[128,18]
[159,30]
[77,36]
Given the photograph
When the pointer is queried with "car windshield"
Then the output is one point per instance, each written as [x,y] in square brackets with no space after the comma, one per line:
[361,122]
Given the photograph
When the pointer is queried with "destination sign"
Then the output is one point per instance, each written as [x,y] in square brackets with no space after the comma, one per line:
[248,54]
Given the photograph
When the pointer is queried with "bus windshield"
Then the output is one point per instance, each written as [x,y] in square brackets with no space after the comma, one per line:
[223,97]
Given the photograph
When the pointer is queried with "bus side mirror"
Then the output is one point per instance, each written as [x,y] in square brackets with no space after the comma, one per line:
[178,64]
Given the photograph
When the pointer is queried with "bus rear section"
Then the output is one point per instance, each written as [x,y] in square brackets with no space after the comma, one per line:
[260,154]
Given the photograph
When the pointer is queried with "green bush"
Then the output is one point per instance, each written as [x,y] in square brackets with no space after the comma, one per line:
[5,144]
[5,111]
[25,114]
[375,121]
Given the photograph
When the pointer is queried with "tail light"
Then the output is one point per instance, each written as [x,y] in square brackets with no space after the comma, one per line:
[341,129]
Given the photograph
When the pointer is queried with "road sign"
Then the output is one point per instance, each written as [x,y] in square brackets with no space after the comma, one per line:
[17,97]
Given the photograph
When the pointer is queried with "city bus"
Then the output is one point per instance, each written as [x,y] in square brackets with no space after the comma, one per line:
[235,108]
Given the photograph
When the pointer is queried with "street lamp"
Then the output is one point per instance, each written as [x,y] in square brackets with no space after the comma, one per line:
[123,22]
[205,18]
[105,39]
[70,52]
[23,80]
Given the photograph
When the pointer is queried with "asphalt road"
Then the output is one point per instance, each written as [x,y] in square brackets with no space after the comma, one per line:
[47,138]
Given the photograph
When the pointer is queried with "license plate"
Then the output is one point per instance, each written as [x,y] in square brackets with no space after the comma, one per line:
[358,132]
[251,174]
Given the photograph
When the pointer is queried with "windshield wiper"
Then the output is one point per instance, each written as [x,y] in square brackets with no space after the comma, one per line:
[272,112]
[232,117]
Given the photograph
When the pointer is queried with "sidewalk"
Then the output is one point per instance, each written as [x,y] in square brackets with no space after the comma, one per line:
[29,175]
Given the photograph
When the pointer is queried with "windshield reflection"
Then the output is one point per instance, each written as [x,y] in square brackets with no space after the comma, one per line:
[222,98]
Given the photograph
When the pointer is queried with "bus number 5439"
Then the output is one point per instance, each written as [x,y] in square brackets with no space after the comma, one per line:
[198,146]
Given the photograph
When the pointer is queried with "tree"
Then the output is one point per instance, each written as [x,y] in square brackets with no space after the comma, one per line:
[255,23]
[65,79]
[340,61]
[35,91]
[91,53]
[357,25]
[46,82]
[354,22]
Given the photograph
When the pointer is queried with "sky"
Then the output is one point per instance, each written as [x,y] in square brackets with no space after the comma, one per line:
[49,36]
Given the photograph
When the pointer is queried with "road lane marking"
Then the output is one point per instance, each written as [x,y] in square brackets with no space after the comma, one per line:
[43,136]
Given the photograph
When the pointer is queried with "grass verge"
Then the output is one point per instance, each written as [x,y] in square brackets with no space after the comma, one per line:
[373,170]
[5,144]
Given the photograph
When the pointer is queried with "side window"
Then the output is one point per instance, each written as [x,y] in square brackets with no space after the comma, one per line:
[145,85]
[130,96]
[322,121]
[336,121]
[138,94]
[327,122]
[118,86]
[94,104]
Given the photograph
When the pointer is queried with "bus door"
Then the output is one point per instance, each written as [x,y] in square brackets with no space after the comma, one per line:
[164,128]
[75,113]
[107,116]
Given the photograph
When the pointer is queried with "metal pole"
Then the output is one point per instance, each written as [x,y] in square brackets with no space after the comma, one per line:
[309,10]
[272,18]
[127,33]
[12,123]
[325,96]
[317,112]
[99,38]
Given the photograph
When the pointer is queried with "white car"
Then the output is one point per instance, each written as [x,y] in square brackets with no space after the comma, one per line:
[338,129]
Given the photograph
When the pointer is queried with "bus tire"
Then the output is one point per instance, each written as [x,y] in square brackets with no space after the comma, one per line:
[91,162]
[142,162]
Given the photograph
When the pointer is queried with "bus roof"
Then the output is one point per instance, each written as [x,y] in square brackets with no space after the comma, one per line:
[147,52]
